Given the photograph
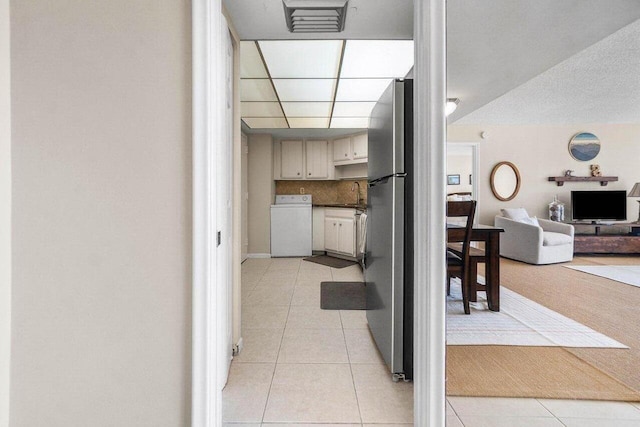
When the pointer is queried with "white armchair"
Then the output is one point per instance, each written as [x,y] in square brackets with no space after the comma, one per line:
[547,243]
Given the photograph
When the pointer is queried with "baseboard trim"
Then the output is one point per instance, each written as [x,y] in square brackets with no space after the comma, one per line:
[258,255]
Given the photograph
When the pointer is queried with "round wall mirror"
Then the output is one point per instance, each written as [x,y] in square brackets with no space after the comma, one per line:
[505,181]
[584,146]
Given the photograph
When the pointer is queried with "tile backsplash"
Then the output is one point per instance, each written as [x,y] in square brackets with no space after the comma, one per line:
[325,192]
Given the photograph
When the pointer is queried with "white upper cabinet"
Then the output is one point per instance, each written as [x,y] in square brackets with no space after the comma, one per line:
[350,150]
[303,159]
[342,149]
[291,159]
[317,160]
[360,144]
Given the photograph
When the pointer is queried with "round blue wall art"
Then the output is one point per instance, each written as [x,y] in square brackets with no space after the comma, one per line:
[584,146]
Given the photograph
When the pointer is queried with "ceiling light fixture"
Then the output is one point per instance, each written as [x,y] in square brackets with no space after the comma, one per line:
[451,105]
[315,16]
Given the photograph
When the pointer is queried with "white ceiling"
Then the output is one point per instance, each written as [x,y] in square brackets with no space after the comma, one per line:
[366,19]
[493,46]
[600,84]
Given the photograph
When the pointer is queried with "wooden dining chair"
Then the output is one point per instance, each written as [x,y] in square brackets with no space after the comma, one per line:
[476,256]
[458,265]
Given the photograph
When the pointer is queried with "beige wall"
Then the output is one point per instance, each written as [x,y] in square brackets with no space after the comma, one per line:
[261,192]
[460,164]
[5,212]
[101,114]
[540,152]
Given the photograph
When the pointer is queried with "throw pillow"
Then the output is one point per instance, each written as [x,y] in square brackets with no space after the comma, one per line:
[531,221]
[515,214]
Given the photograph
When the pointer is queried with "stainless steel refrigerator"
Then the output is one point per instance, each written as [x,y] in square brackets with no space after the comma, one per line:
[389,245]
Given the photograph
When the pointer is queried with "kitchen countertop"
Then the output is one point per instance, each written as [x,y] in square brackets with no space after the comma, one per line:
[341,205]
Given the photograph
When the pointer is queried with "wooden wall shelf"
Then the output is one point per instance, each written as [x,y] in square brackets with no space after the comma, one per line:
[603,180]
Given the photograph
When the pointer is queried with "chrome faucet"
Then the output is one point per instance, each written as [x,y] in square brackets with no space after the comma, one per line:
[353,187]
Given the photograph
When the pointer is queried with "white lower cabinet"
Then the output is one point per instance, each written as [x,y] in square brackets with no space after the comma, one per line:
[340,231]
[318,228]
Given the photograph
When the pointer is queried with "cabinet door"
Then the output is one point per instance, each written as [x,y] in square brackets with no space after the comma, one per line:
[331,234]
[347,236]
[291,159]
[342,149]
[317,155]
[360,143]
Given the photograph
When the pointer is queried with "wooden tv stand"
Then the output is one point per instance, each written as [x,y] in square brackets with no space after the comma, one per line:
[615,242]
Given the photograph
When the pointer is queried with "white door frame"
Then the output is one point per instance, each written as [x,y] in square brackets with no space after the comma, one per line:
[475,170]
[429,194]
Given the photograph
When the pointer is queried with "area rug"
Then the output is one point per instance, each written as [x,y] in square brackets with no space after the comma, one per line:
[628,274]
[520,322]
[330,261]
[343,296]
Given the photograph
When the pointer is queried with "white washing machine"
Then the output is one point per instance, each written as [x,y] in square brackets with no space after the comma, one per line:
[292,226]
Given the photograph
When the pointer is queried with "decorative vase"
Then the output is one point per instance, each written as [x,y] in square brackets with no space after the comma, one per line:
[556,210]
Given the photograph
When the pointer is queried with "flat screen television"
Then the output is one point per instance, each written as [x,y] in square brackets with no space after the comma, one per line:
[599,205]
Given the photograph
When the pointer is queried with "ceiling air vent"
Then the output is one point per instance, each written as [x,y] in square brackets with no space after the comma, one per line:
[315,16]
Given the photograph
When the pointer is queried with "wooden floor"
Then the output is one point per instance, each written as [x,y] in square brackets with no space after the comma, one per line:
[606,306]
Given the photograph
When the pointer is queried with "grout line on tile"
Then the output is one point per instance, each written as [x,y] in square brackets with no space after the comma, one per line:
[353,381]
[266,403]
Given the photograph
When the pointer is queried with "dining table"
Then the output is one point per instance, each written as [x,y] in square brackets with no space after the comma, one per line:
[490,236]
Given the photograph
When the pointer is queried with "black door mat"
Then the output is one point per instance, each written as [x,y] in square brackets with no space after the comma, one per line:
[330,261]
[343,296]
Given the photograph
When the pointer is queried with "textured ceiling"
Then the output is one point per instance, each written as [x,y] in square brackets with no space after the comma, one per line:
[495,46]
[600,84]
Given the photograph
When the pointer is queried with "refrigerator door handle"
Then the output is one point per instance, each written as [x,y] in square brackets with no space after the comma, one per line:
[386,178]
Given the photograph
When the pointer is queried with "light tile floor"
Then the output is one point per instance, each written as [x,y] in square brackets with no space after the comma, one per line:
[306,367]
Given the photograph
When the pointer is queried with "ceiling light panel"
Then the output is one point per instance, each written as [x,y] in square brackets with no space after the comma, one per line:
[353,109]
[377,58]
[350,122]
[307,109]
[302,58]
[257,90]
[261,109]
[265,123]
[251,64]
[308,122]
[305,89]
[361,89]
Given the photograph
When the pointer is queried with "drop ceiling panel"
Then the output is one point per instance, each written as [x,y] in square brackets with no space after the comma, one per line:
[261,109]
[350,122]
[305,89]
[307,109]
[377,58]
[353,109]
[361,89]
[251,64]
[257,90]
[309,122]
[302,59]
[265,123]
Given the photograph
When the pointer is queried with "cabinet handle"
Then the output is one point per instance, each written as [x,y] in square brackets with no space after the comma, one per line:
[340,225]
[309,173]
[298,173]
[355,154]
[346,155]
